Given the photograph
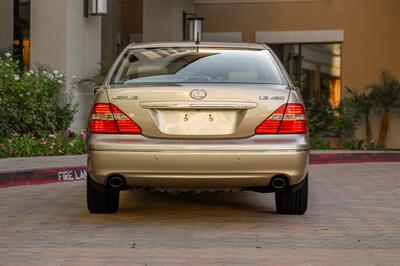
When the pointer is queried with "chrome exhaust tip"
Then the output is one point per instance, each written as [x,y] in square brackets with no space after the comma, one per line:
[116,182]
[279,183]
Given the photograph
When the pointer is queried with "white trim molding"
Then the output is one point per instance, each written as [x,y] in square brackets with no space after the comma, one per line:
[309,36]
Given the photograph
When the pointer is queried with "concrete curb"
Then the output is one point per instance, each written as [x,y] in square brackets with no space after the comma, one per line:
[354,157]
[77,173]
[42,176]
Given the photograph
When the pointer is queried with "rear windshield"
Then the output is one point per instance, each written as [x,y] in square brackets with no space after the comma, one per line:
[193,65]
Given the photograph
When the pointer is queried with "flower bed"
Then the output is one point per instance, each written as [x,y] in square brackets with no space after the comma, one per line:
[53,144]
[35,112]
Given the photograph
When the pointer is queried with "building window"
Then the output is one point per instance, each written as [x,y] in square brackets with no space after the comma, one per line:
[22,32]
[314,68]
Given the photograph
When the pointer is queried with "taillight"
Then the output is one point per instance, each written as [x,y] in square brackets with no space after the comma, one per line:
[288,119]
[106,118]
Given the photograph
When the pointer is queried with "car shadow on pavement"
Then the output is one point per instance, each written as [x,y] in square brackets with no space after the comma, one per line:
[151,205]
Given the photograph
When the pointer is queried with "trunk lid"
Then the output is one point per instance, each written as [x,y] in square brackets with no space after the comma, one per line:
[198,111]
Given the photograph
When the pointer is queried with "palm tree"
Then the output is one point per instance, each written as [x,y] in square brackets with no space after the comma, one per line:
[363,104]
[386,94]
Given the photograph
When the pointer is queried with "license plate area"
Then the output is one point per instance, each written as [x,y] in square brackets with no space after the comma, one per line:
[197,122]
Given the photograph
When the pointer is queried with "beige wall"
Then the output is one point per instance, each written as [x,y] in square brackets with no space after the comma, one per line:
[83,57]
[141,21]
[131,21]
[109,32]
[62,38]
[122,25]
[371,27]
[48,33]
[162,19]
[371,33]
[6,24]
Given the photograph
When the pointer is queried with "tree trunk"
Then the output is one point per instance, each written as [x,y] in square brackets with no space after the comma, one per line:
[368,131]
[383,129]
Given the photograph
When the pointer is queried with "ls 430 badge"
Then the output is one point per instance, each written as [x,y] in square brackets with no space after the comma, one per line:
[273,98]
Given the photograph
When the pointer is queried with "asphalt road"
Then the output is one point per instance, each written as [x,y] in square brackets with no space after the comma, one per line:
[353,219]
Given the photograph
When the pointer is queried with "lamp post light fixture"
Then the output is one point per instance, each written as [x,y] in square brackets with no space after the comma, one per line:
[192,27]
[95,8]
[195,29]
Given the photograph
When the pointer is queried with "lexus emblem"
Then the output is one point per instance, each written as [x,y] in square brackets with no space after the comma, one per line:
[198,94]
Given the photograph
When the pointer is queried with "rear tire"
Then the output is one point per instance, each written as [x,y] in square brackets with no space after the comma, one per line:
[288,202]
[101,199]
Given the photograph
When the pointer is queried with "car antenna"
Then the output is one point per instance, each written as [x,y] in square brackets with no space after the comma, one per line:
[198,38]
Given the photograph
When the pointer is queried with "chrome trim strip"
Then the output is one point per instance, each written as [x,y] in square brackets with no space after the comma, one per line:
[199,105]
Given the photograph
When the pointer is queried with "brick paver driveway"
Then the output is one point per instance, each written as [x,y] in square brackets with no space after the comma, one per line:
[353,219]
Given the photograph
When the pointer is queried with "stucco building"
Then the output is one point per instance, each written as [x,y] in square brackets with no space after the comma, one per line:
[326,45]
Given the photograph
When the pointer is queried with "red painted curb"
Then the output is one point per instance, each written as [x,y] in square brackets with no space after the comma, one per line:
[70,174]
[364,157]
[42,176]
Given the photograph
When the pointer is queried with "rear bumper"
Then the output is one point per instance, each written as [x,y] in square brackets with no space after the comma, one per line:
[198,164]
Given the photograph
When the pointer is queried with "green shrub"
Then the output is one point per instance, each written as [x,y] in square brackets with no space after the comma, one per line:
[320,117]
[30,101]
[318,143]
[344,123]
[53,144]
[325,121]
[354,145]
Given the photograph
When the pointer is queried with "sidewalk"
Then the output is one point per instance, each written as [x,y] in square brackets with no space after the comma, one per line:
[42,170]
[30,163]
